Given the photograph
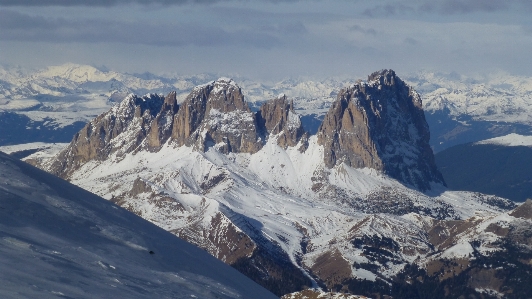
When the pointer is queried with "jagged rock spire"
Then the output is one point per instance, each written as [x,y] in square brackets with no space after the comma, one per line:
[278,117]
[217,114]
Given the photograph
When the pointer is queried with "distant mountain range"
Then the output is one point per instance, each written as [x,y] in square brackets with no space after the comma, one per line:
[51,104]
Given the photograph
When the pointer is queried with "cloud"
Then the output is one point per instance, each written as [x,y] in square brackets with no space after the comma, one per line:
[411,41]
[465,6]
[15,26]
[358,28]
[388,10]
[108,3]
[444,7]
[98,2]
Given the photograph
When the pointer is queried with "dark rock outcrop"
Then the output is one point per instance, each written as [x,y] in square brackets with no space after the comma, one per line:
[162,126]
[277,117]
[97,140]
[524,210]
[380,124]
[216,114]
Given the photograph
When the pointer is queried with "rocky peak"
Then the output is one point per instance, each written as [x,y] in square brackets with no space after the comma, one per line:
[524,210]
[161,127]
[216,114]
[380,124]
[98,139]
[277,117]
[226,96]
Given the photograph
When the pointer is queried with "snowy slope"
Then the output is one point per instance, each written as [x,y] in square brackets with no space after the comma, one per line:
[509,140]
[269,195]
[57,240]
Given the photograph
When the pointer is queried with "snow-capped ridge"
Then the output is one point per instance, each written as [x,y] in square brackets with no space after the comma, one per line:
[509,140]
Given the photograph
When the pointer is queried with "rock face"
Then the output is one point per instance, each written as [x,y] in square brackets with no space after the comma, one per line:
[98,139]
[216,114]
[278,118]
[162,126]
[380,124]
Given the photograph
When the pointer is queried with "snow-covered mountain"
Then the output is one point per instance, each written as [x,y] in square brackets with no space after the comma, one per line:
[293,210]
[60,241]
[461,110]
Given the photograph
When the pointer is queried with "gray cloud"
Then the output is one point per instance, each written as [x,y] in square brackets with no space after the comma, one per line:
[358,28]
[411,41]
[108,3]
[465,6]
[97,2]
[15,26]
[285,28]
[388,10]
[444,7]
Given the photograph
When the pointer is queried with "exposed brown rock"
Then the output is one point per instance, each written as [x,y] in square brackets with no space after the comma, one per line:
[191,114]
[444,233]
[94,141]
[139,186]
[162,126]
[216,114]
[523,211]
[380,124]
[222,239]
[446,269]
[278,118]
[498,230]
[331,268]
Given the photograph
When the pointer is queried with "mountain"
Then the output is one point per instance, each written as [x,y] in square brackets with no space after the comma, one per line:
[58,240]
[497,166]
[380,125]
[462,109]
[259,193]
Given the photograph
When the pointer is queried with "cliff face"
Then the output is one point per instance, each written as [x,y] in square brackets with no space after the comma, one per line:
[162,125]
[277,117]
[217,115]
[380,124]
[98,139]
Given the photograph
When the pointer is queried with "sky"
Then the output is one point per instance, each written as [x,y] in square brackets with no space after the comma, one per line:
[270,39]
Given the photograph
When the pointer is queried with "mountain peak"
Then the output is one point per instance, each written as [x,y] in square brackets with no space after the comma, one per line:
[383,77]
[380,124]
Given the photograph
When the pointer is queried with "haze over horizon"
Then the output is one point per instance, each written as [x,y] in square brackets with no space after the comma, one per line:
[270,39]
